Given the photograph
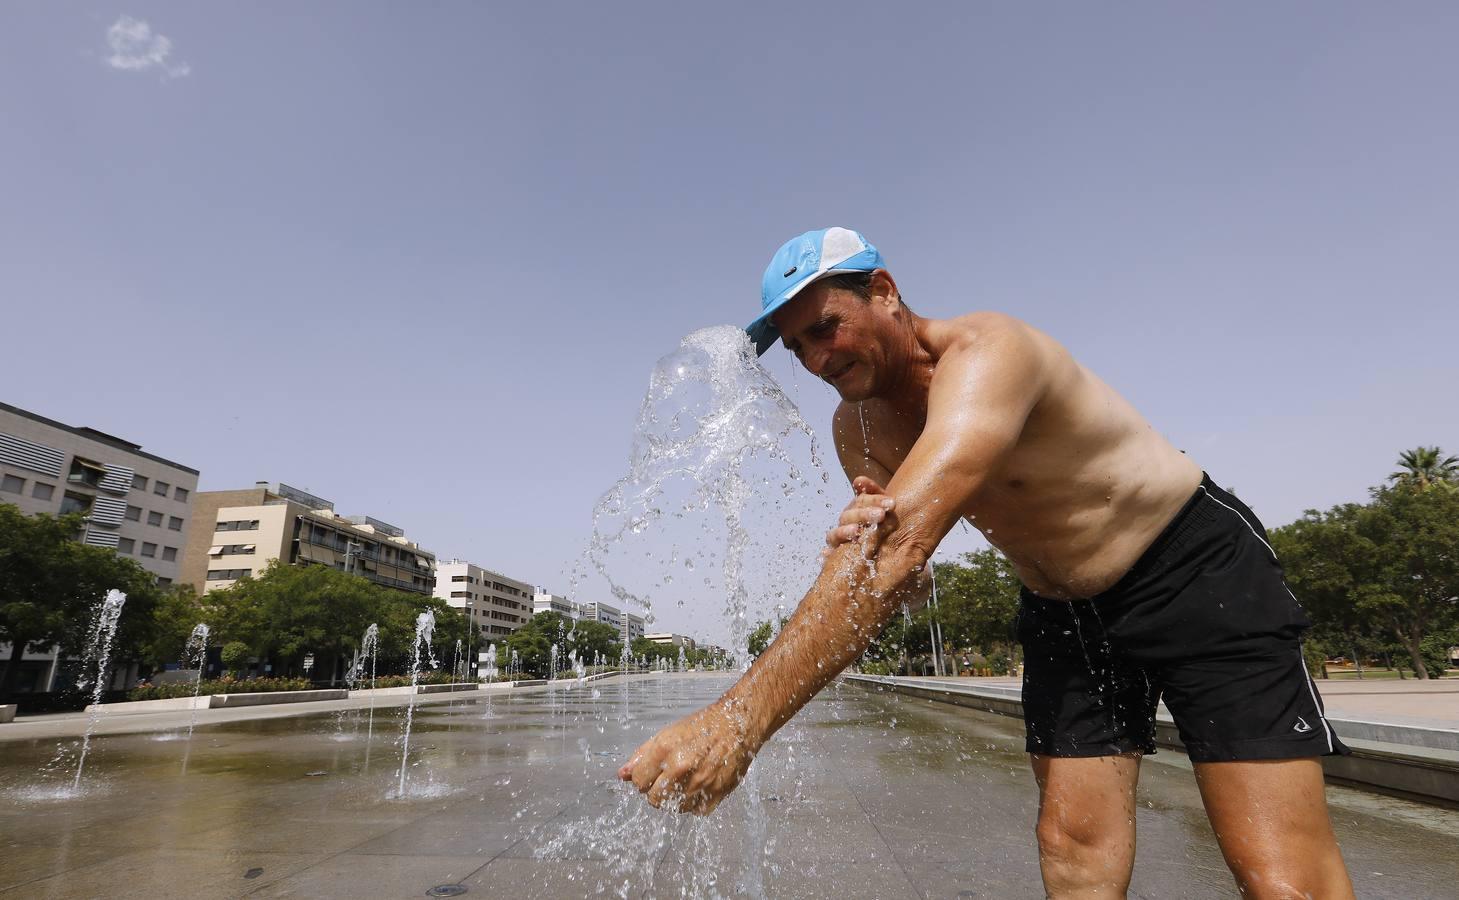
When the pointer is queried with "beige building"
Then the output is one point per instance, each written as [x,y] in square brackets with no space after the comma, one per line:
[240,532]
[495,604]
[672,640]
[135,503]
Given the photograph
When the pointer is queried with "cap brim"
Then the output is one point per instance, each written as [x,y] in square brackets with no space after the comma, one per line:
[762,331]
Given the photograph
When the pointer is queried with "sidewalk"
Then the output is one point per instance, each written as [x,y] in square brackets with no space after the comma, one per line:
[1404,735]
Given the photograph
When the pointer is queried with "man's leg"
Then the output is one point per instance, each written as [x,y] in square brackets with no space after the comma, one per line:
[1271,819]
[1086,828]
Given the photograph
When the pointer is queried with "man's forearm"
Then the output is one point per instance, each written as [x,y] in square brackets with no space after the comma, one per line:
[844,611]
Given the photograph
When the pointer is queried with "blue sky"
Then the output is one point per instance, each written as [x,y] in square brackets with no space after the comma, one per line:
[420,259]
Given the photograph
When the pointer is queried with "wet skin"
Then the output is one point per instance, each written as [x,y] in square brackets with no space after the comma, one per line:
[982,418]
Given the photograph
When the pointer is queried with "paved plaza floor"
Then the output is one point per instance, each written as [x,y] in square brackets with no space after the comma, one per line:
[864,795]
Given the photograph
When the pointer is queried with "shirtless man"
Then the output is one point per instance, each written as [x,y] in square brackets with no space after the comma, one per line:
[1142,578]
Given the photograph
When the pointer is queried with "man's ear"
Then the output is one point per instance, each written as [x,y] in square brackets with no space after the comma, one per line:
[884,290]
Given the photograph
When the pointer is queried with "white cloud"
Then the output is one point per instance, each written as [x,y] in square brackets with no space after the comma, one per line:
[136,48]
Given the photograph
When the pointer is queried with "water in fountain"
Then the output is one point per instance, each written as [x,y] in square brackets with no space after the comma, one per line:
[98,651]
[715,435]
[425,629]
[682,663]
[489,673]
[197,652]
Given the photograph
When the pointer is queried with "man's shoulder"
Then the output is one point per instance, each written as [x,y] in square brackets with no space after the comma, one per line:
[987,337]
[983,327]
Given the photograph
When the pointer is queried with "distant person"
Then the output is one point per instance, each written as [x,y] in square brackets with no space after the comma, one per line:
[1142,580]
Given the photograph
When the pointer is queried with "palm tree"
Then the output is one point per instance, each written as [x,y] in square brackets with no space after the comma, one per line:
[1423,466]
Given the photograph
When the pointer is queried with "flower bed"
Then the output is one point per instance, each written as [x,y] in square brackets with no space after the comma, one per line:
[224,685]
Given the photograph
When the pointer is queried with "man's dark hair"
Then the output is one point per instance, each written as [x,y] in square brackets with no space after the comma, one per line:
[858,283]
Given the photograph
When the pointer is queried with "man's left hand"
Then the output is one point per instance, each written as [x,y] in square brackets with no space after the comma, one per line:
[693,764]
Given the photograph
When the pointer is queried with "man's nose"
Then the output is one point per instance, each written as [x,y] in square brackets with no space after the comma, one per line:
[816,361]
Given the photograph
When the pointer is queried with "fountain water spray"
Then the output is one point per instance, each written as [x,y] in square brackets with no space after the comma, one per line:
[489,673]
[425,629]
[196,650]
[98,649]
[715,432]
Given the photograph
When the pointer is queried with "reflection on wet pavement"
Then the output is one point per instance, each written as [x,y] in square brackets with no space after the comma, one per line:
[865,795]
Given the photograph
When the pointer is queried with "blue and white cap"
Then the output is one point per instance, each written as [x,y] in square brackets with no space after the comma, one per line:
[801,261]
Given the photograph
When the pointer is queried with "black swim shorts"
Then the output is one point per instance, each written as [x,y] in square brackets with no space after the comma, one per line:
[1203,621]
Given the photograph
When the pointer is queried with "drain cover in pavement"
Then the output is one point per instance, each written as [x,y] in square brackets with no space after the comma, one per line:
[446,890]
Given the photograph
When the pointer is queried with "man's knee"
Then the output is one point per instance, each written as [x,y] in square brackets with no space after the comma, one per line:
[1263,877]
[1080,841]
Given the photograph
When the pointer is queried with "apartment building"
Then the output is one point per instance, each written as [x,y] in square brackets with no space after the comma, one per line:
[495,604]
[546,601]
[134,502]
[240,532]
[629,626]
[672,640]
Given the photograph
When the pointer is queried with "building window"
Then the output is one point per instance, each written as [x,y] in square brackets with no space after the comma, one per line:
[42,491]
[229,574]
[458,577]
[163,582]
[180,494]
[161,488]
[169,554]
[85,471]
[12,485]
[174,523]
[149,549]
[134,513]
[154,518]
[75,503]
[125,545]
[238,525]
[139,481]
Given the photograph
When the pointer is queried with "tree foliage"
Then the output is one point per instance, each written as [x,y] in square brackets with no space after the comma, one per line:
[1382,572]
[533,642]
[288,612]
[50,584]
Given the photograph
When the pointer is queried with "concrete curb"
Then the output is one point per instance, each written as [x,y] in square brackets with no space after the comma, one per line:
[130,707]
[225,701]
[7,713]
[1409,766]
[447,688]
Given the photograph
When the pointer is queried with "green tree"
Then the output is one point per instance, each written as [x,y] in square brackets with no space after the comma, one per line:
[760,638]
[178,611]
[978,603]
[592,638]
[1425,466]
[1387,569]
[288,612]
[50,584]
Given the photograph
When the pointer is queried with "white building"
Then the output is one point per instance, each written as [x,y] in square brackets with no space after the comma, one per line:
[545,601]
[135,503]
[495,604]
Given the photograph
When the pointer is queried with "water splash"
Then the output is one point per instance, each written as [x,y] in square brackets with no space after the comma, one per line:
[715,438]
[98,650]
[425,629]
[196,651]
[714,429]
[488,674]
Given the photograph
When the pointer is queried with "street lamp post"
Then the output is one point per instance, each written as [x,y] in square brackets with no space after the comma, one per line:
[934,627]
[350,549]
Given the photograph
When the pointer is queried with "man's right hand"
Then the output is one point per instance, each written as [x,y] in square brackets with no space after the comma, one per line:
[869,517]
